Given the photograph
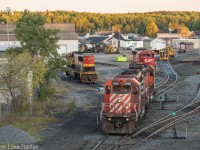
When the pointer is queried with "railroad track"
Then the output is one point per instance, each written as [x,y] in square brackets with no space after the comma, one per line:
[170,81]
[171,78]
[107,142]
[186,112]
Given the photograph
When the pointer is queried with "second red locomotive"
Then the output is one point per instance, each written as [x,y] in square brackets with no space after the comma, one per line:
[146,57]
[126,98]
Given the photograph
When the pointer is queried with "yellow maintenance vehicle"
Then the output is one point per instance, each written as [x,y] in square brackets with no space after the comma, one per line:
[165,53]
[170,51]
[109,49]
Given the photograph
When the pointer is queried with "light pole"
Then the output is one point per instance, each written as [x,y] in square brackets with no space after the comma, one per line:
[118,39]
[8,9]
[170,31]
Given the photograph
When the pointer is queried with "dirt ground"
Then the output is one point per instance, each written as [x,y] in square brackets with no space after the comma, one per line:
[79,130]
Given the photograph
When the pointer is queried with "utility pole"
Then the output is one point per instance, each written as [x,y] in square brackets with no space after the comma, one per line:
[170,31]
[8,9]
[118,40]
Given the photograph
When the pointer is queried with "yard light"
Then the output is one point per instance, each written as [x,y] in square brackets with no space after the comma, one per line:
[170,31]
[8,10]
[118,39]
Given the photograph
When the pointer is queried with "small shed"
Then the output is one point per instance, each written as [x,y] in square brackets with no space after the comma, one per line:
[186,46]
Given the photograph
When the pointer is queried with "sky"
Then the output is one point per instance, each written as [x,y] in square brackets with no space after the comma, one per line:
[102,6]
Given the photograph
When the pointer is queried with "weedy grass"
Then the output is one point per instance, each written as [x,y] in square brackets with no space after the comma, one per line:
[33,118]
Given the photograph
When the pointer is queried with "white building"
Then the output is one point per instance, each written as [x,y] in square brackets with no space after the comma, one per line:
[68,41]
[158,44]
[154,44]
[125,42]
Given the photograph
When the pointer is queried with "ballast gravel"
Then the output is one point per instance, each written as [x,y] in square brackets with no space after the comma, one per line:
[12,135]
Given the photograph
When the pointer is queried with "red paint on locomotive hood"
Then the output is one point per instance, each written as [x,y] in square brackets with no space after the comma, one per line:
[120,103]
[85,60]
[88,60]
[147,57]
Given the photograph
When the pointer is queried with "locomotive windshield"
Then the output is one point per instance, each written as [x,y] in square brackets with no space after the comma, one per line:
[87,69]
[121,89]
[116,88]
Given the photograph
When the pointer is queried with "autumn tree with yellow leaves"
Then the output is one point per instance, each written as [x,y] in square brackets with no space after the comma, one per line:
[151,29]
[184,31]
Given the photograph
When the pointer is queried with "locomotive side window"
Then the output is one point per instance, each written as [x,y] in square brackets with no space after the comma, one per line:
[152,55]
[107,89]
[151,73]
[134,90]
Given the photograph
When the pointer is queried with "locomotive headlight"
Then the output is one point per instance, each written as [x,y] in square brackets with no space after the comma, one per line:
[119,99]
[109,119]
[127,119]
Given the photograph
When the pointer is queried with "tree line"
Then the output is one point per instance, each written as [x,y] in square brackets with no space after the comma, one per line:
[142,23]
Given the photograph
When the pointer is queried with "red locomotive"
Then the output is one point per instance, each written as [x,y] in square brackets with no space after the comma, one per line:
[146,57]
[83,67]
[126,98]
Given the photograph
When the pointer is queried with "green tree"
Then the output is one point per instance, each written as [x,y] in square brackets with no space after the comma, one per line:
[34,37]
[37,40]
[16,73]
[127,29]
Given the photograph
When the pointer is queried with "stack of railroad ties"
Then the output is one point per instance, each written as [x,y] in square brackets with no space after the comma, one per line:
[127,96]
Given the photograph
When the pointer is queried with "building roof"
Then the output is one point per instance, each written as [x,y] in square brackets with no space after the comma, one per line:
[119,36]
[82,34]
[168,38]
[66,31]
[167,31]
[187,43]
[148,40]
[139,38]
[96,39]
[105,33]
